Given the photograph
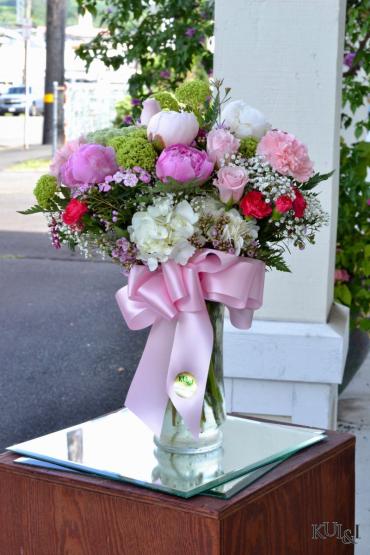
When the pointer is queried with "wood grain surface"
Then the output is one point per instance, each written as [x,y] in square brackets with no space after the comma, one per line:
[46,512]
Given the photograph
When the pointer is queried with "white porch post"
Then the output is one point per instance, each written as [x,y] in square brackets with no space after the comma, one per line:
[284,57]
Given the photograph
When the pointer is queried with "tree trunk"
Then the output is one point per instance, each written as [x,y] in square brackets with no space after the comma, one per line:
[55,37]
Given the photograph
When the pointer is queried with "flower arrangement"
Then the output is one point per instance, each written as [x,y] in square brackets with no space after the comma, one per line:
[196,174]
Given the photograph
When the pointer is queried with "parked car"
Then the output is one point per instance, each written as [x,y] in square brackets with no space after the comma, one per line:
[13,101]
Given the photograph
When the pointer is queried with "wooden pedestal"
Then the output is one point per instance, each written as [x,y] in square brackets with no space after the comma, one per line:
[44,512]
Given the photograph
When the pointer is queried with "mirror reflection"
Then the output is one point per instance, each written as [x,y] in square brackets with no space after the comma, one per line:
[121,447]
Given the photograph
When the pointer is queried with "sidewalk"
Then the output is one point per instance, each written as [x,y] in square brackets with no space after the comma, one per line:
[11,156]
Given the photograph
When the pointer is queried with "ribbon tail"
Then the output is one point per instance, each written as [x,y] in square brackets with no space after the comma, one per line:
[191,352]
[147,396]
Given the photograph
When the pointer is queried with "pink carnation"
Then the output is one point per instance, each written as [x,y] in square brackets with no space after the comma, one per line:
[286,154]
[183,163]
[90,163]
[61,156]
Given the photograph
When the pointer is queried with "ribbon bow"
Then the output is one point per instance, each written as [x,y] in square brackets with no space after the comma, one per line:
[172,301]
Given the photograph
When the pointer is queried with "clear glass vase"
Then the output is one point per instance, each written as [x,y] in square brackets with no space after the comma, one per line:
[175,437]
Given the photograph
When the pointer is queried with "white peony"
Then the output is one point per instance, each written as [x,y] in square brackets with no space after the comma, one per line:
[171,128]
[161,232]
[243,120]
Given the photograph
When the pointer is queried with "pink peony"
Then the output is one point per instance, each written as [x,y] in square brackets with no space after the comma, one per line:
[221,142]
[61,156]
[151,107]
[231,181]
[286,154]
[183,163]
[89,164]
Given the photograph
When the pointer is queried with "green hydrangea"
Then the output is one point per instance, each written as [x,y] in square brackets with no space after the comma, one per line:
[193,93]
[134,150]
[167,101]
[45,189]
[248,146]
[104,136]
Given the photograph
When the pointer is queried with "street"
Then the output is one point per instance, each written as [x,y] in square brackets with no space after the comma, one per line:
[66,354]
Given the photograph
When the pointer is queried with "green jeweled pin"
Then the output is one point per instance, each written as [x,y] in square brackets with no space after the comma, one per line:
[185,385]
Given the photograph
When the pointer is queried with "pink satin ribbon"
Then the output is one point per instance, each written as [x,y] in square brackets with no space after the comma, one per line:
[172,301]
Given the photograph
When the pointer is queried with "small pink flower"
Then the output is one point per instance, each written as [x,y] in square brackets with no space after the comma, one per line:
[342,275]
[183,163]
[61,156]
[221,142]
[286,154]
[231,181]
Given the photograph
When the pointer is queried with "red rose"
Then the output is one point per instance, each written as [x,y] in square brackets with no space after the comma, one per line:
[299,204]
[283,204]
[253,204]
[74,212]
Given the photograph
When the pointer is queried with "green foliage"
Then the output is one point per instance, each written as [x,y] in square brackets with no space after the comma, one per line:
[193,94]
[45,190]
[133,150]
[33,210]
[165,39]
[167,101]
[356,85]
[104,136]
[353,251]
[248,146]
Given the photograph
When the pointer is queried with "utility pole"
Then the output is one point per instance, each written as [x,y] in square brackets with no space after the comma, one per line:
[55,38]
[24,9]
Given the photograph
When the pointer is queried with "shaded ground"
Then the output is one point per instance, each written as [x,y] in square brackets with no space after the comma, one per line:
[65,352]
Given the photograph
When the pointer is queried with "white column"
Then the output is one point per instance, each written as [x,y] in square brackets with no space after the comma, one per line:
[284,57]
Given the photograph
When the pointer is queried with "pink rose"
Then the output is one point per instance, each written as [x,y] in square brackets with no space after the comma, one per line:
[89,164]
[231,181]
[61,156]
[171,128]
[151,107]
[286,154]
[183,163]
[221,142]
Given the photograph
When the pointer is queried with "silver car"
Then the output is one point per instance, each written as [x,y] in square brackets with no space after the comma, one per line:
[13,101]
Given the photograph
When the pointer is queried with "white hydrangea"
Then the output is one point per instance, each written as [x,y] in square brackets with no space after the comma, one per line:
[162,231]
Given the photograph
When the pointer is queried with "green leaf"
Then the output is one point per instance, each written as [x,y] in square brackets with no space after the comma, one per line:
[173,186]
[365,324]
[120,232]
[343,294]
[33,210]
[315,180]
